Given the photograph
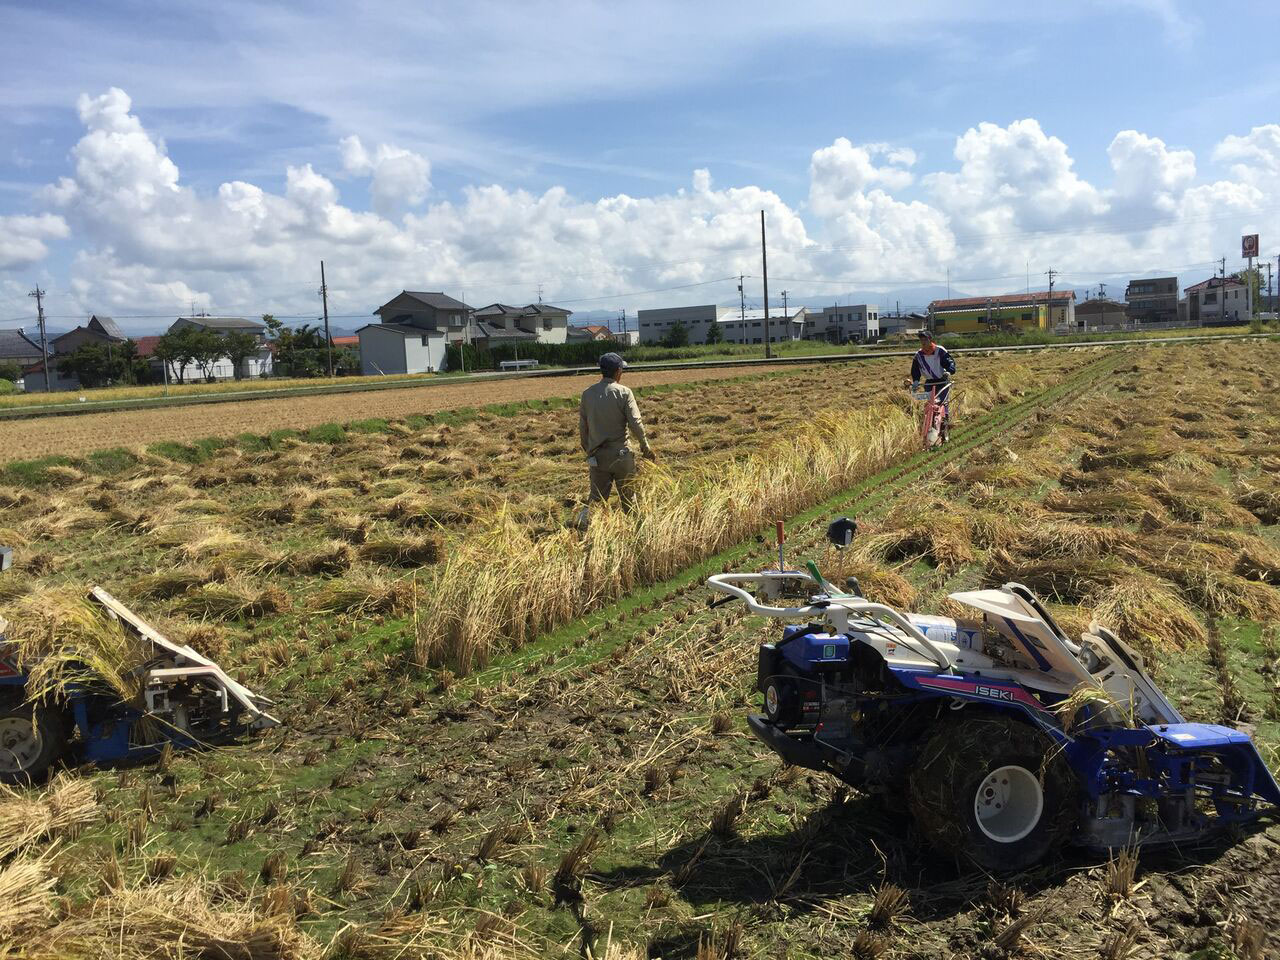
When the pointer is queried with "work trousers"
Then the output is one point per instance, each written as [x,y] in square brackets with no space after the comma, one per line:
[613,467]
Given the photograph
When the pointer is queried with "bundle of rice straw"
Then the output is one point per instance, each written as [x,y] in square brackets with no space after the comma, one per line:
[177,921]
[63,639]
[66,805]
[26,889]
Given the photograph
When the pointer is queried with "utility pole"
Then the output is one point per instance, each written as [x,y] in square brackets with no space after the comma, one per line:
[328,340]
[764,263]
[1222,291]
[1102,291]
[786,317]
[742,310]
[1049,304]
[44,345]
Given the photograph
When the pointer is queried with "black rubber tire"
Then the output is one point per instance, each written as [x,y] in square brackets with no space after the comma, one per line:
[950,769]
[53,743]
[785,704]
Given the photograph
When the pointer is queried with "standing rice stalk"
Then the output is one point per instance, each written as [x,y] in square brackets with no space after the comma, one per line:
[502,587]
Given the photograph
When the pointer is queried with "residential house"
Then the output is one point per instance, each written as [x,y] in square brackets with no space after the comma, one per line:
[17,347]
[1014,311]
[1152,300]
[854,323]
[592,331]
[736,325]
[428,310]
[414,329]
[547,323]
[1099,313]
[259,364]
[1218,301]
[102,331]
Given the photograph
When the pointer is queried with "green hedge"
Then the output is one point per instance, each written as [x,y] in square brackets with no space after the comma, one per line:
[584,354]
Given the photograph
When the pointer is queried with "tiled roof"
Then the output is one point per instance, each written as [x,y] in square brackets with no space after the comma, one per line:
[441,301]
[1215,282]
[147,345]
[15,343]
[109,326]
[225,323]
[546,308]
[404,329]
[481,329]
[498,310]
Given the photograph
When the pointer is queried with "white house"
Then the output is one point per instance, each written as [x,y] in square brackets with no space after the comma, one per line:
[387,348]
[255,365]
[736,325]
[1218,301]
[500,323]
[416,326]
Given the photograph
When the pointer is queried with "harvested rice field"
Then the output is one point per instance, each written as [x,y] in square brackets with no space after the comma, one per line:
[504,740]
[72,435]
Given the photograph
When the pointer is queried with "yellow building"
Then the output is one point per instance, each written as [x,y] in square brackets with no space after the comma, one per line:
[1018,311]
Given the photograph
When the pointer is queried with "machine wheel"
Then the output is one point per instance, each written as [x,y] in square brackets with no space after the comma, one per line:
[31,741]
[993,790]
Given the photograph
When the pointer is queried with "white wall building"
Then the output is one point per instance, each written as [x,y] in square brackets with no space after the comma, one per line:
[855,323]
[735,326]
[387,348]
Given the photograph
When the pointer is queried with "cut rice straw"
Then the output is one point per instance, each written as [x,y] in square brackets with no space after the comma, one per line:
[66,806]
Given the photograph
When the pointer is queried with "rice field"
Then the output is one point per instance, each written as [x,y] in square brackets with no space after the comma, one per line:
[577,782]
[74,435]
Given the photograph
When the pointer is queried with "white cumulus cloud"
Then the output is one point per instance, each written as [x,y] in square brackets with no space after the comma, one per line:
[23,239]
[401,179]
[150,241]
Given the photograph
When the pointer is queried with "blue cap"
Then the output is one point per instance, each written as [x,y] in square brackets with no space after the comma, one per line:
[612,363]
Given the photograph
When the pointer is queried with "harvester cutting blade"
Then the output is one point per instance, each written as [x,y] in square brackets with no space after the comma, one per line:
[181,663]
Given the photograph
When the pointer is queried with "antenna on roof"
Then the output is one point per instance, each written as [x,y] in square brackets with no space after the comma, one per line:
[539,291]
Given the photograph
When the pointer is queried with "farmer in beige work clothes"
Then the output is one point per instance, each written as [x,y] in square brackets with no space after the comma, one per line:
[608,410]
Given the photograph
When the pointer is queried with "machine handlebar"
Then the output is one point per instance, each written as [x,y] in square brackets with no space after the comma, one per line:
[728,583]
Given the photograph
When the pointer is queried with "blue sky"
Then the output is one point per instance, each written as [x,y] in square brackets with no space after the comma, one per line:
[600,101]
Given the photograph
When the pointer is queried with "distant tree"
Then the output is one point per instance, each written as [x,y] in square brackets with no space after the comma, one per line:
[302,352]
[11,372]
[177,351]
[677,336]
[207,348]
[346,362]
[88,363]
[239,347]
[714,334]
[273,326]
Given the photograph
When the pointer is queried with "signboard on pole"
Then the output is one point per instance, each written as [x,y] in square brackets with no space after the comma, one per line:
[1249,245]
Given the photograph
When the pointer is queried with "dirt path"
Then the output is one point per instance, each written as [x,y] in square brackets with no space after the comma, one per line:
[77,435]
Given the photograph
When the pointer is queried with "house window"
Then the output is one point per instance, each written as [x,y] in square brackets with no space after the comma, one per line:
[1210,297]
[546,324]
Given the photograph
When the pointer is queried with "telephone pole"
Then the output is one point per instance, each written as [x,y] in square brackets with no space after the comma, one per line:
[328,340]
[44,346]
[742,310]
[1222,290]
[764,263]
[786,316]
[1049,300]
